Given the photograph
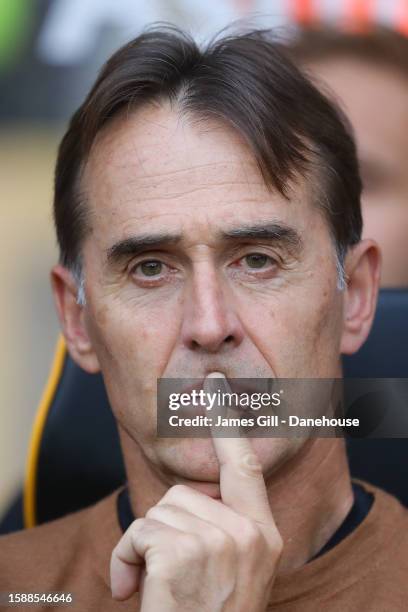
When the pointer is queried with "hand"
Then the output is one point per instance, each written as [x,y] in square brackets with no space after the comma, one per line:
[192,552]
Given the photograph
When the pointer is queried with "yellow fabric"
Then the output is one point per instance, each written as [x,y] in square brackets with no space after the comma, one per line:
[30,486]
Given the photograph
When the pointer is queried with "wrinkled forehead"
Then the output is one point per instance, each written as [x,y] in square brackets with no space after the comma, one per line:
[156,167]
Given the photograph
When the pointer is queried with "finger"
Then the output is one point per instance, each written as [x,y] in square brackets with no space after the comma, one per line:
[188,521]
[128,556]
[202,506]
[241,480]
[125,568]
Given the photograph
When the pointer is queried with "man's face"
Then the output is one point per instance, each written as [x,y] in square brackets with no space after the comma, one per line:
[376,101]
[179,285]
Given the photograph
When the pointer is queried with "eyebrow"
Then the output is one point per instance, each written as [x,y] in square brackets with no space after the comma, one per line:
[137,244]
[272,232]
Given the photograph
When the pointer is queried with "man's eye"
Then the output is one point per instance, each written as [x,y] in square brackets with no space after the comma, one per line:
[149,268]
[257,260]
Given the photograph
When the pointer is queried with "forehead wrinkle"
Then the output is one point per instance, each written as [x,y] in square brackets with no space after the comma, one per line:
[132,218]
[115,144]
[187,192]
[175,182]
[119,190]
[143,190]
[193,175]
[191,168]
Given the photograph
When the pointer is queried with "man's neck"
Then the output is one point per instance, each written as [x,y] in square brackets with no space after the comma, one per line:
[310,495]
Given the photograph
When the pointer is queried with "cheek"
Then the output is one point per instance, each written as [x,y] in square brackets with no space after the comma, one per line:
[126,333]
[314,345]
[129,381]
[298,332]
[328,328]
[133,352]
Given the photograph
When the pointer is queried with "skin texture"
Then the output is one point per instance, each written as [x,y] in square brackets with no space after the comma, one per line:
[208,309]
[201,553]
[375,98]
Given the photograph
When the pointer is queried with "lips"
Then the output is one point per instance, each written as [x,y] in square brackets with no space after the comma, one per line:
[195,402]
[237,385]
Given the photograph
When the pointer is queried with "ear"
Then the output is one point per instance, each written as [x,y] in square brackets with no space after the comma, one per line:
[72,319]
[362,267]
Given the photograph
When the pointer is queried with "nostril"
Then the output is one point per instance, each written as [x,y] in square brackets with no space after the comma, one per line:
[229,339]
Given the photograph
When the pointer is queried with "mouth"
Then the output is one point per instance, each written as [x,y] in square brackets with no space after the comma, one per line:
[236,393]
[236,385]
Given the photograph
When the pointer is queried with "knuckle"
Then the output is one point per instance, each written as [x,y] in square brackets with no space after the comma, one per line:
[275,548]
[174,493]
[277,545]
[250,535]
[221,543]
[136,527]
[153,513]
[159,511]
[249,465]
[138,524]
[191,548]
[179,489]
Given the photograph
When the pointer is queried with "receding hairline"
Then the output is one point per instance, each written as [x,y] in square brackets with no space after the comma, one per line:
[307,180]
[273,109]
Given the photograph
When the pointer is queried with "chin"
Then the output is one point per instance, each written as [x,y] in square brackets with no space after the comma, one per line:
[188,459]
[193,461]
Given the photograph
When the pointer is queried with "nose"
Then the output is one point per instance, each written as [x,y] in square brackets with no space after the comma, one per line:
[210,322]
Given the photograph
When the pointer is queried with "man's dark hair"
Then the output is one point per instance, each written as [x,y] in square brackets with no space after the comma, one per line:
[245,81]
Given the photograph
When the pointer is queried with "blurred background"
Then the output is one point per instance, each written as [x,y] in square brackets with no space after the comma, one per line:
[50,52]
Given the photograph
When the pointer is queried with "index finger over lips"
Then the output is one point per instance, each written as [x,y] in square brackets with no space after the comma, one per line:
[242,483]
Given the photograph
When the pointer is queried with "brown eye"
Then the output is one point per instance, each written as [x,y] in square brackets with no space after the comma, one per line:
[256,260]
[150,268]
